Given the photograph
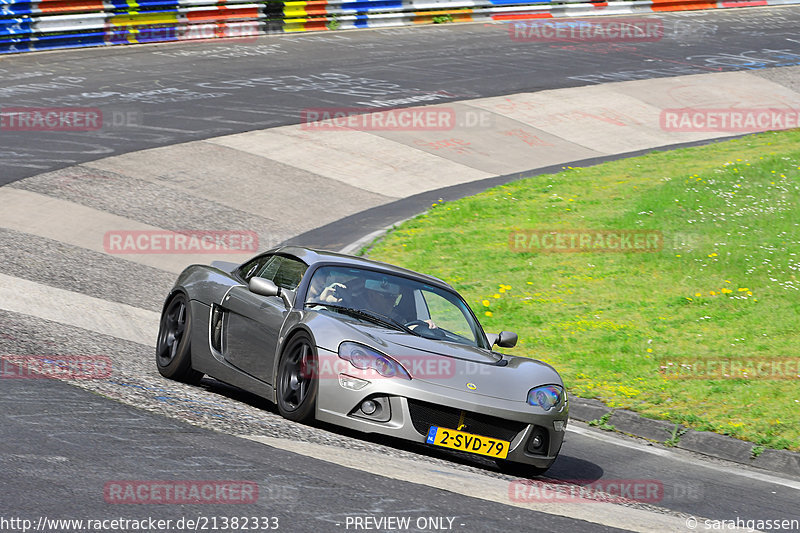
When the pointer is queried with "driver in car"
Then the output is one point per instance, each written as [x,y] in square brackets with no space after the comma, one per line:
[323,289]
[398,306]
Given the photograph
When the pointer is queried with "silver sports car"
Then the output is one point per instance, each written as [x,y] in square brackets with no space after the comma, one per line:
[367,346]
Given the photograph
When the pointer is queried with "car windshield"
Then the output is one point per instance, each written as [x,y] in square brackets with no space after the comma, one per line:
[394,301]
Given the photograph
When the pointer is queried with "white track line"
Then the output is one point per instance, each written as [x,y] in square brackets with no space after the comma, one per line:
[674,456]
[79,310]
[475,485]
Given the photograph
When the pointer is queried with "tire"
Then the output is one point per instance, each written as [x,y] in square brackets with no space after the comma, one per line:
[520,469]
[297,381]
[173,347]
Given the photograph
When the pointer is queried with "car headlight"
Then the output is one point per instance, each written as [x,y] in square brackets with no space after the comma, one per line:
[546,397]
[364,358]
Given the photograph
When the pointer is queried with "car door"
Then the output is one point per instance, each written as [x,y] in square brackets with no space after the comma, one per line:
[253,322]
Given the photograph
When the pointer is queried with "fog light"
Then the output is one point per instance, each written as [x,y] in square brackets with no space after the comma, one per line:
[559,425]
[539,441]
[349,382]
[368,407]
[374,409]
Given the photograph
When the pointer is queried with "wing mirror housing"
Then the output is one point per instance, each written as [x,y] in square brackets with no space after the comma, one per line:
[267,287]
[506,339]
[263,287]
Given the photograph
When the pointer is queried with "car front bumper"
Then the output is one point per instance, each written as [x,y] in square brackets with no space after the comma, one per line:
[415,405]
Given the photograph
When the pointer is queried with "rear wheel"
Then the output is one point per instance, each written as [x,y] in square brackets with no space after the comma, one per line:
[173,347]
[297,379]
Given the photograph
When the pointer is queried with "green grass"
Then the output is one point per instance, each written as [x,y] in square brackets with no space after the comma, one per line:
[723,286]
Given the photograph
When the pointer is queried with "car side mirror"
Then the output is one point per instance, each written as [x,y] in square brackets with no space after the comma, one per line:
[263,287]
[267,287]
[507,339]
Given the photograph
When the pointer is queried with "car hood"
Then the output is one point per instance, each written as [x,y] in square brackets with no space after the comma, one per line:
[447,364]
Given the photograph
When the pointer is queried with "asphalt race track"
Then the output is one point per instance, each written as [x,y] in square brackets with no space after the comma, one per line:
[62,444]
[176,93]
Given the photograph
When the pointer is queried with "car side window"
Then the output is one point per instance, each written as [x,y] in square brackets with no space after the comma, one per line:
[284,271]
[445,314]
[249,269]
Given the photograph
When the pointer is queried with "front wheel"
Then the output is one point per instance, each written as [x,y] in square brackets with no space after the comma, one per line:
[173,347]
[297,379]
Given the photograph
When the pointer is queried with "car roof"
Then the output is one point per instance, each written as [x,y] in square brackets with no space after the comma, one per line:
[312,256]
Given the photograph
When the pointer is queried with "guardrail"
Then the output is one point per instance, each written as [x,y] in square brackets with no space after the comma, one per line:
[29,25]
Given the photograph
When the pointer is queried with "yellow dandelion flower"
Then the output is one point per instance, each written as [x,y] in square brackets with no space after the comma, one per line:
[749,293]
[677,255]
[743,289]
[649,350]
[697,294]
[486,303]
[725,291]
[488,313]
[495,296]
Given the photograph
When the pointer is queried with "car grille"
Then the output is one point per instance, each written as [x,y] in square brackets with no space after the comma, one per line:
[424,415]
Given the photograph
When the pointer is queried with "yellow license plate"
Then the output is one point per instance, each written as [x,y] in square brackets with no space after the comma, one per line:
[467,442]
